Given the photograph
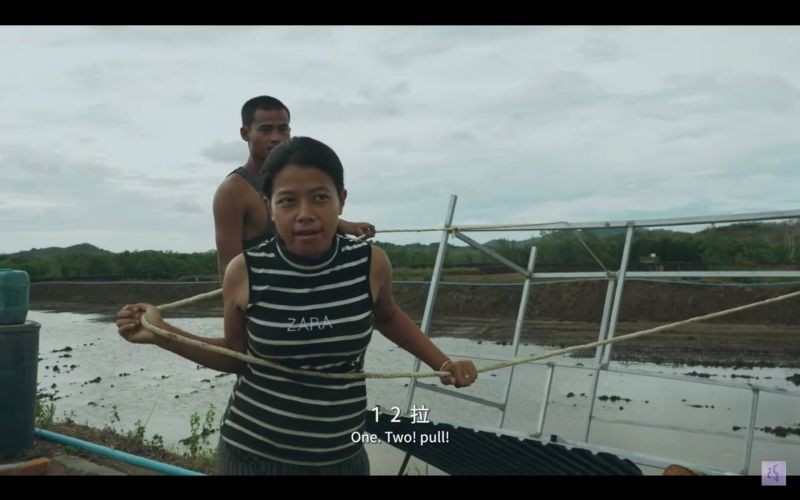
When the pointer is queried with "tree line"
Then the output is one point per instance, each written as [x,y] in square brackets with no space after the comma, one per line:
[747,245]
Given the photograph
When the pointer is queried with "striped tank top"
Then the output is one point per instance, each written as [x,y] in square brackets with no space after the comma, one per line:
[314,316]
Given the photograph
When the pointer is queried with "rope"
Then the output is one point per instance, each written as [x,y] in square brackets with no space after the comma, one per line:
[190,300]
[511,362]
[473,227]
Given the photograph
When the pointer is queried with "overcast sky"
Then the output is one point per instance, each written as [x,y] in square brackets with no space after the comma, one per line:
[118,136]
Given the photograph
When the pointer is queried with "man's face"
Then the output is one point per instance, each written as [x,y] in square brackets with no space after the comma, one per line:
[269,128]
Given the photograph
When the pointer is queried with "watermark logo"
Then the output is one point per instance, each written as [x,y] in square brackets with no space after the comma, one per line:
[773,473]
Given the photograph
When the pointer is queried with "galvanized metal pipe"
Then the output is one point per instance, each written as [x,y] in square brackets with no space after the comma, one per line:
[523,308]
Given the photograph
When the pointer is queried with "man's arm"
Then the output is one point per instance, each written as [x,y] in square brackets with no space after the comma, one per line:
[228,225]
[357,228]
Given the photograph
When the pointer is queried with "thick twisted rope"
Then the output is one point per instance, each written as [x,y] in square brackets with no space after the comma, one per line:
[511,362]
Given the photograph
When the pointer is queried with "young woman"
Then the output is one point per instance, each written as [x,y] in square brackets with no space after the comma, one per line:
[307,299]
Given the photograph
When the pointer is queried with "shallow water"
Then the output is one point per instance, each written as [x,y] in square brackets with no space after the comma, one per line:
[685,422]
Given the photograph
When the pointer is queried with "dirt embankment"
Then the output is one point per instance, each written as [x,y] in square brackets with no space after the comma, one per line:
[561,314]
[561,301]
[110,438]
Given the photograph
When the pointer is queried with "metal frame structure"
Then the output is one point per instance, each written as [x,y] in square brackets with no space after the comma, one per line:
[608,324]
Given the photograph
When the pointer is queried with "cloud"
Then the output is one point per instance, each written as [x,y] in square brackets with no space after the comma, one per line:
[188,207]
[145,35]
[601,50]
[711,93]
[226,152]
[335,110]
[119,136]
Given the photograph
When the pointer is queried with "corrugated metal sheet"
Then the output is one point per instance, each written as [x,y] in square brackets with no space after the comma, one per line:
[471,452]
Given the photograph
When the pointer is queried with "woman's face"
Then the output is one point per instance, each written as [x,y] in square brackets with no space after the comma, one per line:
[306,207]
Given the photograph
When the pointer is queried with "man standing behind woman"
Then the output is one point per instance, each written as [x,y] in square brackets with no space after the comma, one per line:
[241,214]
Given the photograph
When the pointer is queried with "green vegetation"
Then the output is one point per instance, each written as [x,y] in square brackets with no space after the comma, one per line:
[199,436]
[750,245]
[201,456]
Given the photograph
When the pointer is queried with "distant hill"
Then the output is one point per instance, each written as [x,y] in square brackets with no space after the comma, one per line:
[80,249]
[726,247]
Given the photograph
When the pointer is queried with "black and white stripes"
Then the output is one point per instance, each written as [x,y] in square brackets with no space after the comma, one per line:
[314,316]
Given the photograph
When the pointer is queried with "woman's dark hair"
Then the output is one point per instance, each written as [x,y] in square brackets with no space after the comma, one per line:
[304,152]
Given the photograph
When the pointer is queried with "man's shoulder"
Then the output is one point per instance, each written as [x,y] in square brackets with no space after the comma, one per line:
[234,186]
[232,181]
